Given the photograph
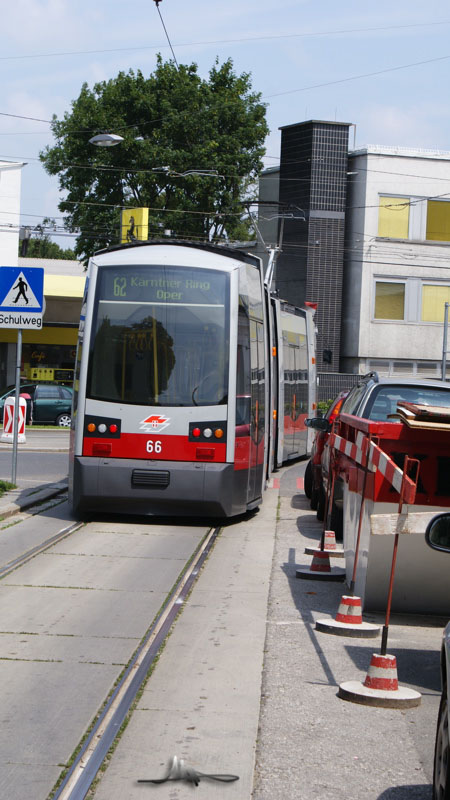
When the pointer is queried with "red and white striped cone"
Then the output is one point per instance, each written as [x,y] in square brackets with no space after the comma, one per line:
[329,544]
[380,687]
[349,621]
[321,569]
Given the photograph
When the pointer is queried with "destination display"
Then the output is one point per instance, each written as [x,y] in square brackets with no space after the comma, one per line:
[157,284]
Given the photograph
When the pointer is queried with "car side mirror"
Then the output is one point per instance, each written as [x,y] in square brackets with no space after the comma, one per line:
[318,423]
[437,534]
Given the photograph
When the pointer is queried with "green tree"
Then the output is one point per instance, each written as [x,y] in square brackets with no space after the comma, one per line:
[172,122]
[39,244]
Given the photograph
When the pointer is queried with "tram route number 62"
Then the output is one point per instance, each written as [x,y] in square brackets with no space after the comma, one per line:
[154,447]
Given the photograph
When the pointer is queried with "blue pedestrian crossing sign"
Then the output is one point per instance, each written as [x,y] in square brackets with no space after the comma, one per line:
[21,297]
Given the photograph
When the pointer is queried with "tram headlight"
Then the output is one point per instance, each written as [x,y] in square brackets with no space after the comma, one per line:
[207,433]
[196,432]
[102,428]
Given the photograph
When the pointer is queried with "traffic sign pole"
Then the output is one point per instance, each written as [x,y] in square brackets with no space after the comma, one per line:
[16,407]
[22,306]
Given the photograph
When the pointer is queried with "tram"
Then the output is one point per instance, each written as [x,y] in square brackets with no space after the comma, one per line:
[192,382]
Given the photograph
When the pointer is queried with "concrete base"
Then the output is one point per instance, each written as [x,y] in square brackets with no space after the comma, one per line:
[336,574]
[363,630]
[339,553]
[356,692]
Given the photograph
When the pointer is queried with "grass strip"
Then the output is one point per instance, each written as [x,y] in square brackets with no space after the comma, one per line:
[6,486]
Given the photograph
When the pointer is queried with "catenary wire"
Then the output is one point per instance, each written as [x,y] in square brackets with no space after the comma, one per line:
[264,37]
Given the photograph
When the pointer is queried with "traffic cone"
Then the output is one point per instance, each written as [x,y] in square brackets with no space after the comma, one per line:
[349,621]
[380,687]
[329,544]
[321,569]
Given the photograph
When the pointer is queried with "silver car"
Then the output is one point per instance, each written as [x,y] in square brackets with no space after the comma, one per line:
[375,398]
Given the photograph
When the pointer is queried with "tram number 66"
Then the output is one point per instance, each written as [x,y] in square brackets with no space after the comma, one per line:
[154,447]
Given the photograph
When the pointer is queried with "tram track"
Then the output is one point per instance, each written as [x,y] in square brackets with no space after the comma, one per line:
[38,549]
[93,744]
[82,773]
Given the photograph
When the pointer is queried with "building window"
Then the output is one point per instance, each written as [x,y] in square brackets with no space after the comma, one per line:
[418,369]
[389,300]
[438,221]
[402,367]
[434,298]
[393,218]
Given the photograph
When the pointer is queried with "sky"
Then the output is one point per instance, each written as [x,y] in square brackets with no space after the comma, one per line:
[383,67]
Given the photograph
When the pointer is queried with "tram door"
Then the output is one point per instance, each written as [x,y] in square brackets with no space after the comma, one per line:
[258,411]
[289,399]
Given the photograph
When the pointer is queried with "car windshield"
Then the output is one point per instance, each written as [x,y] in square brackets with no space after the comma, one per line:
[383,403]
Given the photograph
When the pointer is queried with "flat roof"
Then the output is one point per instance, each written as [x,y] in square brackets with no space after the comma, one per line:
[316,122]
[405,152]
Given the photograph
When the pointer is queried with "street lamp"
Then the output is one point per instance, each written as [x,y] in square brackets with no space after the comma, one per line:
[106,139]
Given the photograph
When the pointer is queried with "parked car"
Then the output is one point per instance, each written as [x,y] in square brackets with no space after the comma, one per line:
[49,403]
[374,398]
[438,537]
[313,473]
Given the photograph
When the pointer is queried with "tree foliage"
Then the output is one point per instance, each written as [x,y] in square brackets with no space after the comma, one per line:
[172,122]
[39,245]
[45,248]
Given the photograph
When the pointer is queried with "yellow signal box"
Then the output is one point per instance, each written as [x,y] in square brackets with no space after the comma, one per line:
[134,225]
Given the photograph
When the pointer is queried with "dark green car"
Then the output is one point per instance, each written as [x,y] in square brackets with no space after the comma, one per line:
[48,403]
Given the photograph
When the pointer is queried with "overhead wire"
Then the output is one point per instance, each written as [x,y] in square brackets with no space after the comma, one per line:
[139,171]
[264,37]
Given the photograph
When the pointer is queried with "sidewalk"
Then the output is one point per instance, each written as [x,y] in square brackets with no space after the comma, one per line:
[46,440]
[37,440]
[17,500]
[245,685]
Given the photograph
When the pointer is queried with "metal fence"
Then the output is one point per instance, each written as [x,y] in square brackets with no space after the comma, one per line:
[329,384]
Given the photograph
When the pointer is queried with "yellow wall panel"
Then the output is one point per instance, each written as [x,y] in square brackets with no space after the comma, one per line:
[433,302]
[44,336]
[393,217]
[438,221]
[64,285]
[389,300]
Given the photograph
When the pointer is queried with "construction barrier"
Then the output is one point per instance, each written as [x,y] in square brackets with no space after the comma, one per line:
[321,569]
[8,420]
[366,458]
[329,545]
[369,457]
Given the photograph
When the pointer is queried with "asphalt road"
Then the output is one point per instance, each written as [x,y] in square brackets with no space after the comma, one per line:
[43,458]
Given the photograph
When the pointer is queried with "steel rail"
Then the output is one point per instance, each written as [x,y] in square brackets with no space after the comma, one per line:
[83,771]
[39,548]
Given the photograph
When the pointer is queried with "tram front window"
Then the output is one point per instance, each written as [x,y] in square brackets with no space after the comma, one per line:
[160,337]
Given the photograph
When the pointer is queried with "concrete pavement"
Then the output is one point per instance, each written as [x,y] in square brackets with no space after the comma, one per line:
[246,685]
[55,440]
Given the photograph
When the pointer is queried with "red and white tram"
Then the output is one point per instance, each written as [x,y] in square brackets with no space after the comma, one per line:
[192,382]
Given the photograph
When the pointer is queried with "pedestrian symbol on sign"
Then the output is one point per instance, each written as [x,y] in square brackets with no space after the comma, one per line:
[21,286]
[20,294]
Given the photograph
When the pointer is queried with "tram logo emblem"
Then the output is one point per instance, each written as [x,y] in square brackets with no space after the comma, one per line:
[155,423]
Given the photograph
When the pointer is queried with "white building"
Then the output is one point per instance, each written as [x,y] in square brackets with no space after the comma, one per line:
[51,350]
[10,180]
[397,261]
